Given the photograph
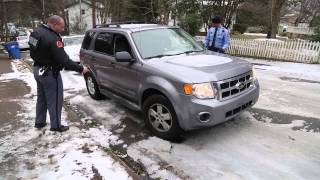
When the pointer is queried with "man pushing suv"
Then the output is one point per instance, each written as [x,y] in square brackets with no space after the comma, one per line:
[47,51]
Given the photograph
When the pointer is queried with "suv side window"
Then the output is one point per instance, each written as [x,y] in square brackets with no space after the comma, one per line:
[87,40]
[121,44]
[103,43]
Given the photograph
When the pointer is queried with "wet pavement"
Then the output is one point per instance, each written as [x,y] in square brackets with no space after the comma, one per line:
[11,92]
[277,138]
[16,122]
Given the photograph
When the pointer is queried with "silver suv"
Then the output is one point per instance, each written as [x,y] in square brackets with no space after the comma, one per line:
[163,72]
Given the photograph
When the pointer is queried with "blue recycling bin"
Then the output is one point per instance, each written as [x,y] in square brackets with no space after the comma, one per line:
[13,49]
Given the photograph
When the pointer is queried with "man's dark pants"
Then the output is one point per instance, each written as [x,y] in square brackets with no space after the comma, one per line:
[219,50]
[50,97]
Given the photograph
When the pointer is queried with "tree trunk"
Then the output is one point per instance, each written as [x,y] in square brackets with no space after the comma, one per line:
[2,19]
[94,23]
[276,6]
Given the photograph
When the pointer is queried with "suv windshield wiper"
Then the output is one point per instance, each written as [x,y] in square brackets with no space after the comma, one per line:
[188,52]
[160,56]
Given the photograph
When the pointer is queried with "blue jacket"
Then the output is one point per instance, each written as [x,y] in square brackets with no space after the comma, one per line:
[222,38]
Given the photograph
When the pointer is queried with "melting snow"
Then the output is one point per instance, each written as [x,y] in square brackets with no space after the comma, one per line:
[75,154]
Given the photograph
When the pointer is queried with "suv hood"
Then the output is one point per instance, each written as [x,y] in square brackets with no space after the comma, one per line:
[201,67]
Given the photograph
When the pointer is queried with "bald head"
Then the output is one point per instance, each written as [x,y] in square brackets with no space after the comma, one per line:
[56,23]
[54,19]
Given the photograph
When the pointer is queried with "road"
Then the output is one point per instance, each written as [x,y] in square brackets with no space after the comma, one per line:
[276,139]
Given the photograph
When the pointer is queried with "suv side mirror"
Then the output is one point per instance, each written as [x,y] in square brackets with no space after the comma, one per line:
[123,56]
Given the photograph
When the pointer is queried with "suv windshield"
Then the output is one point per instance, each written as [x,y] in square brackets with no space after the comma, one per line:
[164,42]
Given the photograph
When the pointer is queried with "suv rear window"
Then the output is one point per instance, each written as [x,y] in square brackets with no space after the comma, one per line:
[104,44]
[87,40]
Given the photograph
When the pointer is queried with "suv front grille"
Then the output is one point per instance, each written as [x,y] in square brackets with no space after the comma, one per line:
[234,86]
[238,109]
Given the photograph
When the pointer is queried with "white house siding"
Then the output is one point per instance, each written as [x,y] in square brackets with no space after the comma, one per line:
[74,14]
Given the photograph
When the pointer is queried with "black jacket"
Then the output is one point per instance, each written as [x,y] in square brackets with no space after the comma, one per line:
[46,49]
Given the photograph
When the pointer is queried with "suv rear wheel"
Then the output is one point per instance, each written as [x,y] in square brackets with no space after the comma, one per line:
[92,87]
[161,118]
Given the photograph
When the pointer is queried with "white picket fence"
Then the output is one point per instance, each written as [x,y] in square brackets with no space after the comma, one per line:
[289,50]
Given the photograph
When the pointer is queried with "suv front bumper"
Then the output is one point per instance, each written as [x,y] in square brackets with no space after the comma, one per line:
[215,111]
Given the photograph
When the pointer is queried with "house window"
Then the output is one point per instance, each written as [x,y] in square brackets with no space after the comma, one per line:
[83,11]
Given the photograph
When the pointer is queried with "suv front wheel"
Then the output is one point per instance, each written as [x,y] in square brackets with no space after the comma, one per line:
[161,118]
[92,87]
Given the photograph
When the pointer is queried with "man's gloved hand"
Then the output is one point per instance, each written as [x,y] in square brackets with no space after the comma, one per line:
[85,70]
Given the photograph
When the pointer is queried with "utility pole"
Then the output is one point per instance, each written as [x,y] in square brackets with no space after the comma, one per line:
[94,23]
[175,13]
[43,12]
[80,17]
[5,20]
[2,19]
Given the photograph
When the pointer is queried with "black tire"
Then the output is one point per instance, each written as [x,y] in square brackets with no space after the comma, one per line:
[154,101]
[95,92]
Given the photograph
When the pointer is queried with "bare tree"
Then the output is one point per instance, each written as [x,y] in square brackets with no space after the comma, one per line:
[276,6]
[225,8]
[309,9]
[94,23]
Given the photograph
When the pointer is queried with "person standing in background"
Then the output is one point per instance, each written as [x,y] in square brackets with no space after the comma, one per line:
[218,37]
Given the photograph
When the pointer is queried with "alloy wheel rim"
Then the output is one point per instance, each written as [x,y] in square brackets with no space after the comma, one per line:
[160,117]
[91,86]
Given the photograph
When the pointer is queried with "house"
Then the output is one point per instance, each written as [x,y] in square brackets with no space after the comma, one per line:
[79,23]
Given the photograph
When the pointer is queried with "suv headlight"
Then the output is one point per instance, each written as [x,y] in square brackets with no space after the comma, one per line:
[201,91]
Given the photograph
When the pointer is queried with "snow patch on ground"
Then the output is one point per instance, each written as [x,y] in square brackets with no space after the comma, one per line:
[73,52]
[106,111]
[243,149]
[299,70]
[143,152]
[73,81]
[42,154]
[288,88]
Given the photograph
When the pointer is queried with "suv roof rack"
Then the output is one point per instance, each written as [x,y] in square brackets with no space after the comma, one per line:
[117,24]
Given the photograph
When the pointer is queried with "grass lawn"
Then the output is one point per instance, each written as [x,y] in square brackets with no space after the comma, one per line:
[244,36]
